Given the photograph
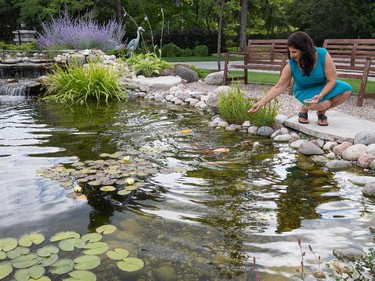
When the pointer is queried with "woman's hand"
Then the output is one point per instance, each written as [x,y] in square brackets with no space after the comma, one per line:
[254,108]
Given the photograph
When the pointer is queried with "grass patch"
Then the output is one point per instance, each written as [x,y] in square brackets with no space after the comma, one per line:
[208,58]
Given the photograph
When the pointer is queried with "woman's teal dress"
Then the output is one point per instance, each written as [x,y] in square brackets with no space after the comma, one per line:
[306,87]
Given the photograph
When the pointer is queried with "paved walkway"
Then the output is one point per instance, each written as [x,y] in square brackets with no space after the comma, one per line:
[341,127]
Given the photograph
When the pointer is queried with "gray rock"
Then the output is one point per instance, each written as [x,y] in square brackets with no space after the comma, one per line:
[280,119]
[371,148]
[362,180]
[188,74]
[283,138]
[213,99]
[308,148]
[349,254]
[231,127]
[215,78]
[338,164]
[329,145]
[364,137]
[297,143]
[331,155]
[246,124]
[353,152]
[252,130]
[372,165]
[319,159]
[265,131]
[369,189]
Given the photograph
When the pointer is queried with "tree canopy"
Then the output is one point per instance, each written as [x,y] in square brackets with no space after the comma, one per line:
[265,18]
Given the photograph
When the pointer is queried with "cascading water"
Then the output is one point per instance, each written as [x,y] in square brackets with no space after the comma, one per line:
[19,88]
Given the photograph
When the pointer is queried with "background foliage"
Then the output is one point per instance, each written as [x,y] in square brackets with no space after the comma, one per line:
[188,23]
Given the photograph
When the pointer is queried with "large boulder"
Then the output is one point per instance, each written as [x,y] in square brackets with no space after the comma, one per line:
[215,78]
[213,97]
[364,137]
[339,149]
[308,148]
[353,152]
[187,74]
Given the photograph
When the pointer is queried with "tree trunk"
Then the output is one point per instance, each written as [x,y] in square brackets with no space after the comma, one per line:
[118,11]
[243,25]
[220,31]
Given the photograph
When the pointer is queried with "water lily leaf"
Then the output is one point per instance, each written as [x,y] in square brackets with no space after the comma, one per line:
[71,243]
[43,278]
[107,188]
[50,260]
[86,262]
[62,266]
[34,272]
[81,275]
[32,238]
[5,269]
[7,244]
[131,187]
[46,251]
[118,254]
[130,264]
[106,229]
[64,235]
[18,252]
[25,261]
[124,192]
[96,248]
[92,237]
[3,255]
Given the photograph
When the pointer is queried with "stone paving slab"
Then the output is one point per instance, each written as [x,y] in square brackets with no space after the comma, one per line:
[342,127]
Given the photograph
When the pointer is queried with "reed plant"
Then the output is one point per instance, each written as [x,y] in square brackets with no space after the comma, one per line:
[78,84]
[233,107]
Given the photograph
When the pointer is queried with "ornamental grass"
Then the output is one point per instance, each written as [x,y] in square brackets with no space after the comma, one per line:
[78,84]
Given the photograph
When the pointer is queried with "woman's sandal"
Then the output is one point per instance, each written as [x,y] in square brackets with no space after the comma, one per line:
[303,115]
[322,120]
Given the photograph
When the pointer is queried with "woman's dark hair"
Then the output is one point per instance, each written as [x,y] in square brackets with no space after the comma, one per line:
[301,41]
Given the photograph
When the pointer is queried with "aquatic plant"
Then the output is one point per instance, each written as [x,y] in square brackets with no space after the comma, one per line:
[233,106]
[265,116]
[148,64]
[80,254]
[66,32]
[78,84]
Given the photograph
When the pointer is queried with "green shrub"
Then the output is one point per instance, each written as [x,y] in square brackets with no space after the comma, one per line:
[187,53]
[148,64]
[22,47]
[233,106]
[171,50]
[120,53]
[78,84]
[200,51]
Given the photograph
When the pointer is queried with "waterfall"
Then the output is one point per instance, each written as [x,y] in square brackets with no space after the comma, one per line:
[19,88]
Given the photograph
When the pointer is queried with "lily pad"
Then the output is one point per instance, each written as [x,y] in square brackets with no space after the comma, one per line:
[107,188]
[18,252]
[124,192]
[34,272]
[86,262]
[118,254]
[46,251]
[62,266]
[71,243]
[92,237]
[81,275]
[32,238]
[3,255]
[96,248]
[50,260]
[5,269]
[25,261]
[7,244]
[64,235]
[106,229]
[130,264]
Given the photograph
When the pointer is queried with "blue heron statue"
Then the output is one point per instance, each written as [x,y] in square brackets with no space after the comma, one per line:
[133,44]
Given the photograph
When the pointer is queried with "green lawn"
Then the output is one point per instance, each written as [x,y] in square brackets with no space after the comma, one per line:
[271,78]
[209,58]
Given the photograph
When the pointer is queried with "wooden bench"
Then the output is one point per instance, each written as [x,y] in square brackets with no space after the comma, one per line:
[355,59]
[270,54]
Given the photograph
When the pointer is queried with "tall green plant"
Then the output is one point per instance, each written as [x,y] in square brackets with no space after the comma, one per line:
[233,106]
[148,64]
[265,116]
[78,84]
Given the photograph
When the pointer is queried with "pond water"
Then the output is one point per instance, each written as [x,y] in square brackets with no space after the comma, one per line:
[205,217]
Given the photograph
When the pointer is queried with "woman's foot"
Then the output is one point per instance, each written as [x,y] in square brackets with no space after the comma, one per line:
[303,118]
[322,119]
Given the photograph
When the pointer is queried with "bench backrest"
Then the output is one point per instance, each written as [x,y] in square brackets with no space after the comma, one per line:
[351,53]
[270,50]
